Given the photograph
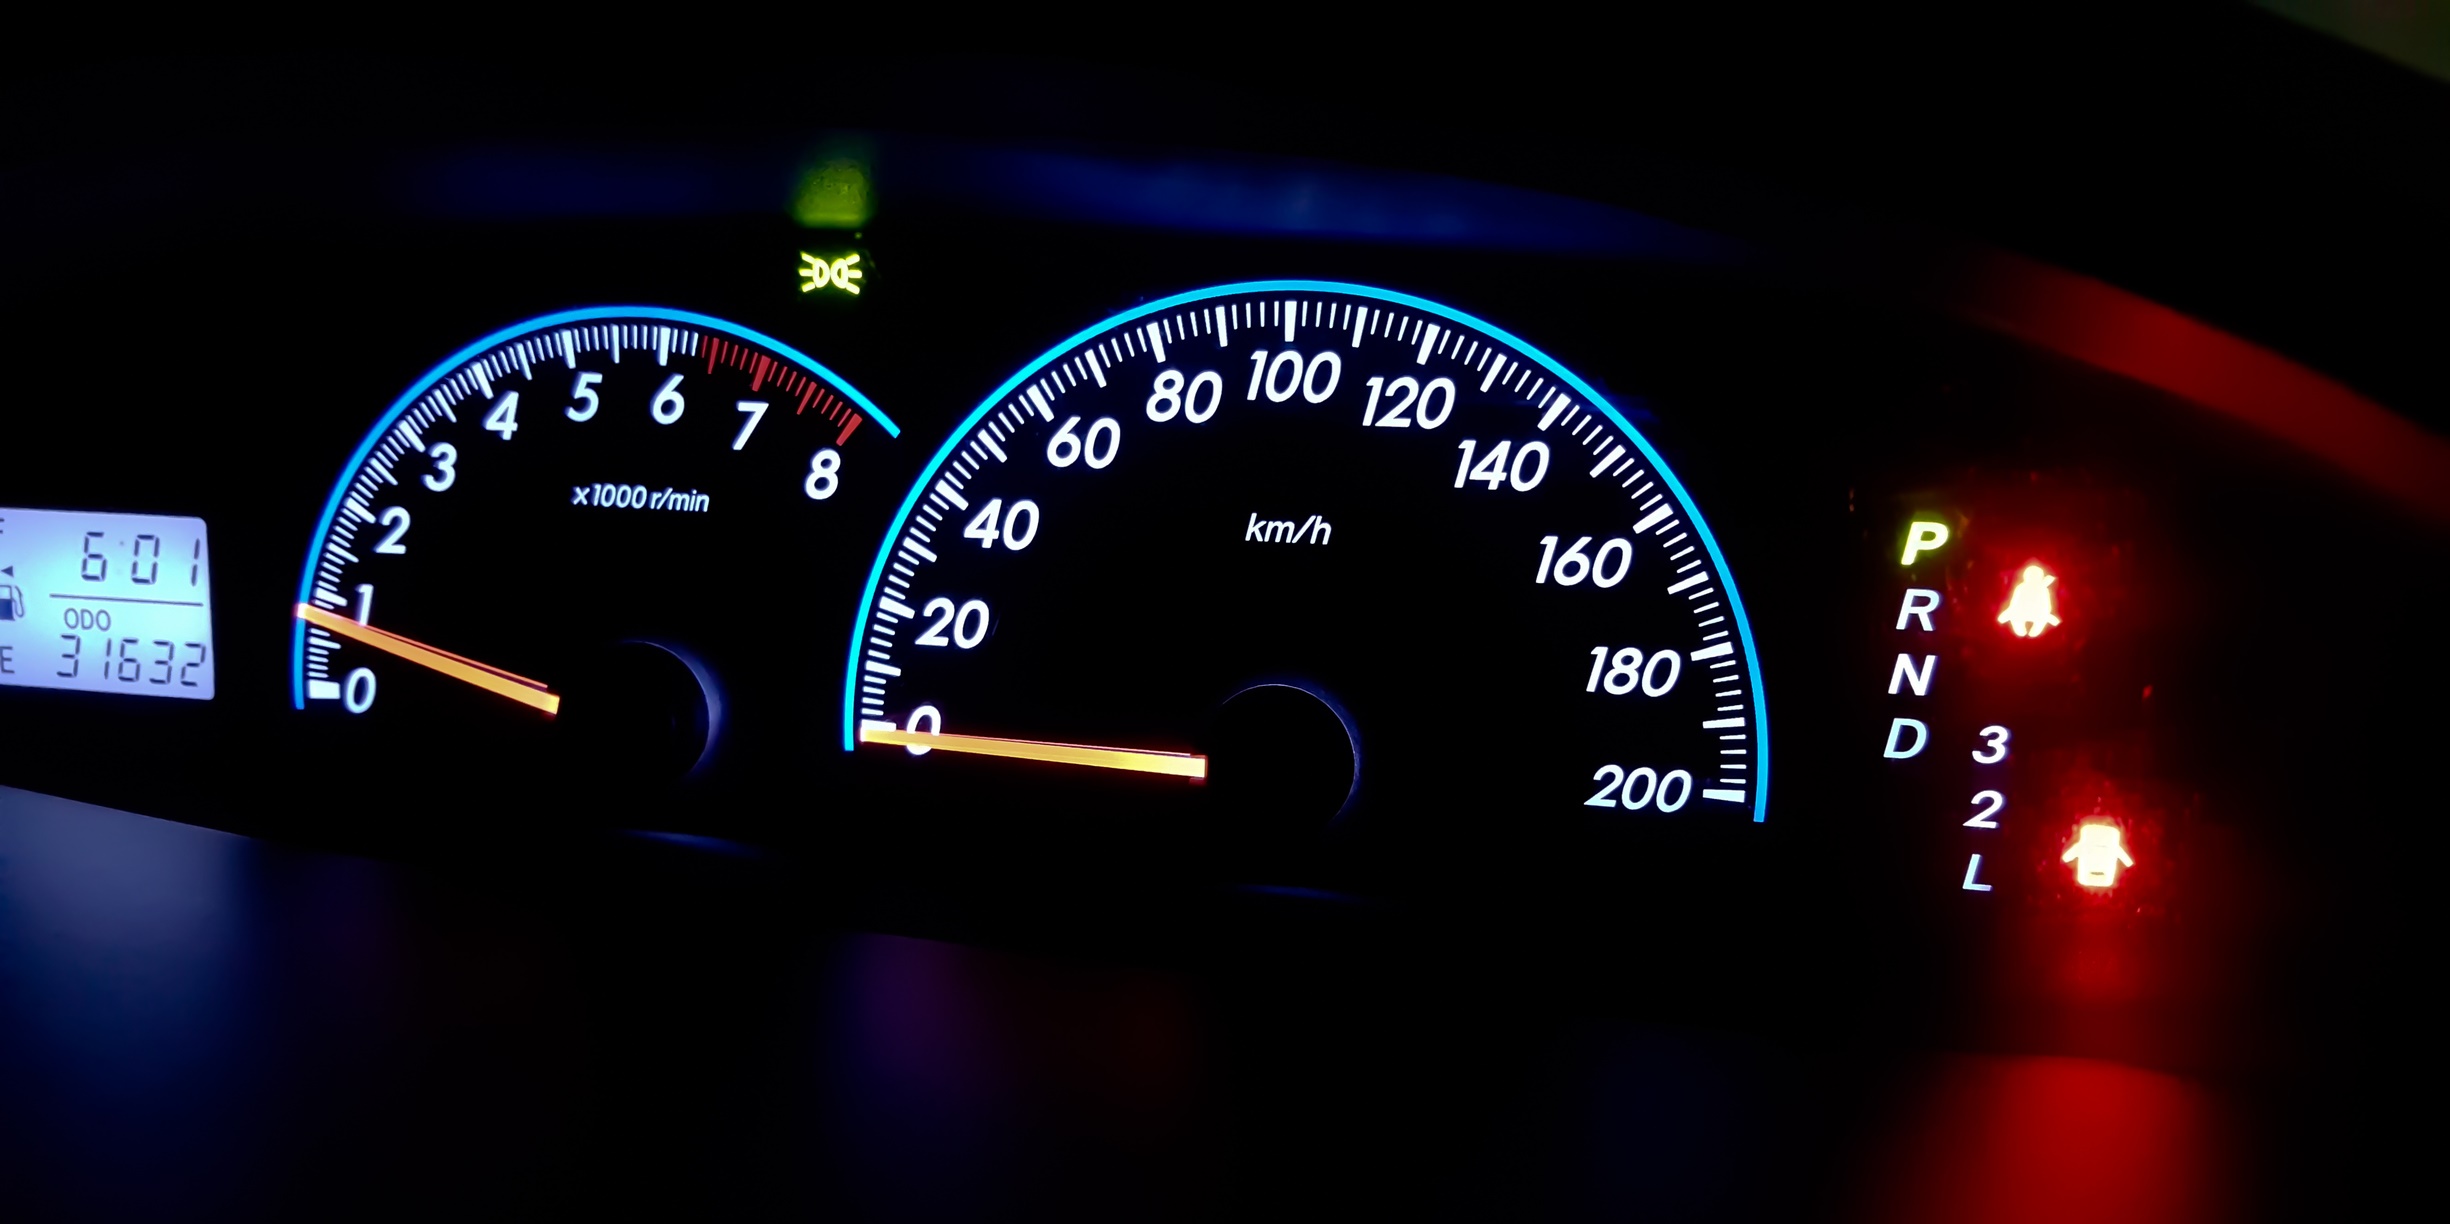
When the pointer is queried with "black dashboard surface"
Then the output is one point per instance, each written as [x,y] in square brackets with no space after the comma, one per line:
[2130,385]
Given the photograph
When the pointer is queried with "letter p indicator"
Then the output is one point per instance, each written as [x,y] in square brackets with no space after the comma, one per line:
[1922,536]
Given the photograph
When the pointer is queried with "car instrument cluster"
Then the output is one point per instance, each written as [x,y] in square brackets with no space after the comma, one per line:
[1743,633]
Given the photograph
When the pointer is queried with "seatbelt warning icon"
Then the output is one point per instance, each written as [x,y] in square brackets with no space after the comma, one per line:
[2097,855]
[2030,609]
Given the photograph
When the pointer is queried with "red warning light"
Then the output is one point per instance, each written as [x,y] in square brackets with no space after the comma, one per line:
[2097,854]
[2030,607]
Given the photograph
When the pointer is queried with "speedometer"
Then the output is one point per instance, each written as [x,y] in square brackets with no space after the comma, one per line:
[1321,547]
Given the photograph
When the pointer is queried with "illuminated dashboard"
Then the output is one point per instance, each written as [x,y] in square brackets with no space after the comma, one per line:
[1667,619]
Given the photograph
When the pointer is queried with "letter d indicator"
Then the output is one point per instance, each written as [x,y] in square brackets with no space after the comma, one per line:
[1897,729]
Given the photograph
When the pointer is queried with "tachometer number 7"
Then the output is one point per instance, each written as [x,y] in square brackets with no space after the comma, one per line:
[756,410]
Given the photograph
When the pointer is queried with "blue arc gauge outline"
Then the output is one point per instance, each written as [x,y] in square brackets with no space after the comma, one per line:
[451,364]
[1590,396]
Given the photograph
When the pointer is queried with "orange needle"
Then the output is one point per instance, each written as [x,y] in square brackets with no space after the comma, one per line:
[491,679]
[1176,764]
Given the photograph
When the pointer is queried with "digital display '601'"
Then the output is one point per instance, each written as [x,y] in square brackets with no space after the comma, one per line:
[111,603]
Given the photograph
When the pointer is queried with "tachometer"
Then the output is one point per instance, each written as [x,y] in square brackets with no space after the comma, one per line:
[614,508]
[1328,545]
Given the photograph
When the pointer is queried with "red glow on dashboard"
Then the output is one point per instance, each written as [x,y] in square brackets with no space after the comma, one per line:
[2108,327]
[2055,1140]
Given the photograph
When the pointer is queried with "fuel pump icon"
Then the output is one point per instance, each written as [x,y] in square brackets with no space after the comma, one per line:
[12,600]
[2097,855]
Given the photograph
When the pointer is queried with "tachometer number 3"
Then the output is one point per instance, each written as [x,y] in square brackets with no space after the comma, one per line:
[444,474]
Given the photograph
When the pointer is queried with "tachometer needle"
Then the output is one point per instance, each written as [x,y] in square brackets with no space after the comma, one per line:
[1176,764]
[491,679]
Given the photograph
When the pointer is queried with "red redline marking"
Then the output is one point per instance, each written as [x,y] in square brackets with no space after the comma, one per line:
[810,389]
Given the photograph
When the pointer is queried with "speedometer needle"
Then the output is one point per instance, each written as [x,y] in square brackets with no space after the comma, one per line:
[1176,764]
[489,678]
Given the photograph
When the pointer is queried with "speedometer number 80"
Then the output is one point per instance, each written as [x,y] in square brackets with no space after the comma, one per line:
[1196,404]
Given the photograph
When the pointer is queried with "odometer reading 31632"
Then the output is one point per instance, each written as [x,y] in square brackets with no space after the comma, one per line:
[1428,526]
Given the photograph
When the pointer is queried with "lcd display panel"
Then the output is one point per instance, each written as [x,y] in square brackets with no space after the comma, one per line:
[106,603]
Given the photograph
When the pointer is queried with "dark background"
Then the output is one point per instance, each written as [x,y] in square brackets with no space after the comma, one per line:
[886,1017]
